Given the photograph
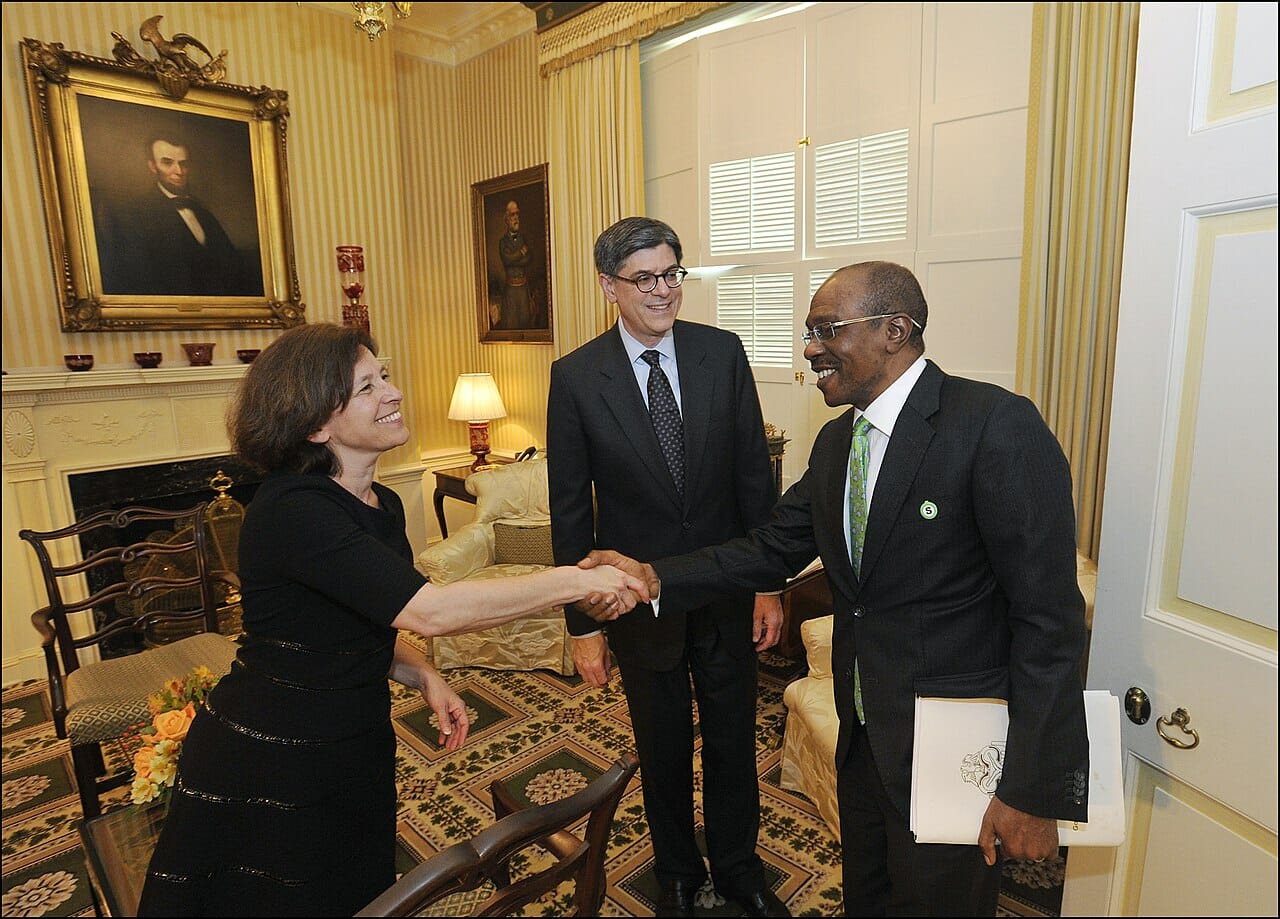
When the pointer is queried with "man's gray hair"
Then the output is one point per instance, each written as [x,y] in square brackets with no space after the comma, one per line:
[631,234]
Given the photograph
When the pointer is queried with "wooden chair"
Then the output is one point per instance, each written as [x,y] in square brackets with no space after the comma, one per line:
[485,857]
[99,589]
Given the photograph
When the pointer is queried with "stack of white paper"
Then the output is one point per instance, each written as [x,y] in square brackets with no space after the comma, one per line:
[959,752]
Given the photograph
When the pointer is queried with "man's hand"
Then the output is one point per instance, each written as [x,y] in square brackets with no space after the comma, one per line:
[598,606]
[641,570]
[591,657]
[1022,836]
[766,628]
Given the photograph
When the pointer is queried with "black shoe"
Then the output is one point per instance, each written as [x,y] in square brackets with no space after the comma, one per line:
[763,902]
[676,898]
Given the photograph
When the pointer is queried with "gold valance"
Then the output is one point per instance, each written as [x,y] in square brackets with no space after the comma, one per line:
[609,25]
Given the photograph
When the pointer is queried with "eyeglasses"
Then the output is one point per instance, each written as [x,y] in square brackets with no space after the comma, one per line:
[825,331]
[647,283]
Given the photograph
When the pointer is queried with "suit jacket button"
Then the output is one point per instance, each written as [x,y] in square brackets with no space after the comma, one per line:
[859,612]
[686,525]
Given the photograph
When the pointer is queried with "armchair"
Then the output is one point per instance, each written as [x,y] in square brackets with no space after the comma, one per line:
[510,535]
[164,581]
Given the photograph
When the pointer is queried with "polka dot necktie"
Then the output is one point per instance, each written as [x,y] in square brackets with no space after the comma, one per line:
[665,415]
[859,455]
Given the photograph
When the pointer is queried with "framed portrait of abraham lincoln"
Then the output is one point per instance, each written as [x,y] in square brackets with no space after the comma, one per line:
[165,189]
[512,238]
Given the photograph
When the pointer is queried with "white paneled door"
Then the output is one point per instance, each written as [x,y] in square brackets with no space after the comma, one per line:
[1185,618]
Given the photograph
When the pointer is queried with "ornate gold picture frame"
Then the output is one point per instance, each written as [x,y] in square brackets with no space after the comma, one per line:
[166,191]
[511,223]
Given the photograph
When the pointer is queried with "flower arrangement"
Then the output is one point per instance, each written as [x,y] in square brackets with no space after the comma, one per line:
[173,708]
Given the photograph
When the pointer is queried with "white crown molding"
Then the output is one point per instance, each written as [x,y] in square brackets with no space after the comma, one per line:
[482,31]
[451,36]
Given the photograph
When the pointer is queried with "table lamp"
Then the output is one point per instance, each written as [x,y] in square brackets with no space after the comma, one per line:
[476,401]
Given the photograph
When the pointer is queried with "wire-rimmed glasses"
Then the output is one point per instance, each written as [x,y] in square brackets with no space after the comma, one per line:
[825,331]
[647,283]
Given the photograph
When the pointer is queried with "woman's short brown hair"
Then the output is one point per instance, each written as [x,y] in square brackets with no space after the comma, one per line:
[291,389]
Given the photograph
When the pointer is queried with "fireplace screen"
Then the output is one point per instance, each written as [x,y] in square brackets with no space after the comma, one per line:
[171,486]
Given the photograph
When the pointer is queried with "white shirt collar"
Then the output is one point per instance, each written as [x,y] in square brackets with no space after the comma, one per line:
[884,411]
[666,347]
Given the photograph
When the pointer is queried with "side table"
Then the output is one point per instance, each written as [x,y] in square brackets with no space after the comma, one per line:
[806,596]
[119,845]
[452,483]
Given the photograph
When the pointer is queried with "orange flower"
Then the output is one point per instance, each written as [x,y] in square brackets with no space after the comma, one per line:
[142,761]
[174,725]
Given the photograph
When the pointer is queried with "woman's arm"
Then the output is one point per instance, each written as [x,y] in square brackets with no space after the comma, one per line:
[410,667]
[468,606]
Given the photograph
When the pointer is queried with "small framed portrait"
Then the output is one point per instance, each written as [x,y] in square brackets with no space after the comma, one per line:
[165,192]
[510,218]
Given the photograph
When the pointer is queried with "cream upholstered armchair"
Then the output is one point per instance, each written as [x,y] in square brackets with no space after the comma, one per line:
[510,535]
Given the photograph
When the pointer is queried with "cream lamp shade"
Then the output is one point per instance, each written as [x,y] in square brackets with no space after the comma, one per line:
[476,401]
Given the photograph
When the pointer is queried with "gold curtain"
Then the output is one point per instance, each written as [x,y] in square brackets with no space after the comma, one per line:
[606,26]
[594,141]
[1078,125]
[597,178]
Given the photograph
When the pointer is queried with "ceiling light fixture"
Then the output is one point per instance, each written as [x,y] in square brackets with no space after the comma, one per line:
[371,17]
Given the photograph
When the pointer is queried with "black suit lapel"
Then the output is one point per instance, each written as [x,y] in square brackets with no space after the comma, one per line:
[837,476]
[622,399]
[697,392]
[911,435]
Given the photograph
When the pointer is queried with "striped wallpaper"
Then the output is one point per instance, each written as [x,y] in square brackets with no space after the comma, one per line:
[383,149]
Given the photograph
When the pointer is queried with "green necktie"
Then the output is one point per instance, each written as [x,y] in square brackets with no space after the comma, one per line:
[859,455]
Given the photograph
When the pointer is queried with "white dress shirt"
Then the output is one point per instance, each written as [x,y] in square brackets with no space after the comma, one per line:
[883,414]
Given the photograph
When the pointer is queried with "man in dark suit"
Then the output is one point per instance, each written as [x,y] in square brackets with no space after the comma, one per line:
[167,242]
[657,423]
[946,526]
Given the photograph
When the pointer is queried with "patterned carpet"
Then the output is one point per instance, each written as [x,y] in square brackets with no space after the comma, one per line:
[544,735]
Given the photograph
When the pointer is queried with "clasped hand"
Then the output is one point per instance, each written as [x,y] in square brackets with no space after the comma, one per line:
[624,587]
[604,607]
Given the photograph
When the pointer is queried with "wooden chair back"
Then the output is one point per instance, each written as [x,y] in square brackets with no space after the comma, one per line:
[104,583]
[486,856]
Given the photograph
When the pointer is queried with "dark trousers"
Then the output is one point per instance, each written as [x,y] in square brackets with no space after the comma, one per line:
[886,872]
[660,703]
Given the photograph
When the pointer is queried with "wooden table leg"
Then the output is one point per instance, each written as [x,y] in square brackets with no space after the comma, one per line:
[437,498]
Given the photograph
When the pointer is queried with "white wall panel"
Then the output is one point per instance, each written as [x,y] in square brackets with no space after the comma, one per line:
[996,34]
[972,331]
[975,177]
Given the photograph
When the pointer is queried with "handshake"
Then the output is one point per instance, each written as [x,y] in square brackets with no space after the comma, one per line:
[606,606]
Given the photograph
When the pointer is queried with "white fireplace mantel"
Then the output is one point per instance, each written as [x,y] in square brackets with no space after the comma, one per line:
[57,424]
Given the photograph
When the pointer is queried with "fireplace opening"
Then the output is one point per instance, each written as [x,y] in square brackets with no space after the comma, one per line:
[171,486]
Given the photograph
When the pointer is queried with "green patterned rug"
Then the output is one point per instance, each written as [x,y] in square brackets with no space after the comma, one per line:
[543,735]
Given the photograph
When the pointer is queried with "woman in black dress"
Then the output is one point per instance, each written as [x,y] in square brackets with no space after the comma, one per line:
[286,801]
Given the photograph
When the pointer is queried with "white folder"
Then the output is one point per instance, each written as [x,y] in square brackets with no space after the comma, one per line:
[959,751]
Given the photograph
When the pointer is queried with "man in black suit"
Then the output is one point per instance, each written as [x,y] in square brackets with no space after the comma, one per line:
[949,542]
[167,242]
[657,423]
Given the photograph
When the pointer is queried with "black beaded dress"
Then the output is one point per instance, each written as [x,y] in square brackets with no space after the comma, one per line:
[286,800]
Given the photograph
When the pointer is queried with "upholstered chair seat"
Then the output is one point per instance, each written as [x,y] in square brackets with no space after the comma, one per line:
[510,535]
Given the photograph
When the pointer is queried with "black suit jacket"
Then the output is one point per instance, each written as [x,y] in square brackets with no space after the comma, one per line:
[974,597]
[599,437]
[147,248]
